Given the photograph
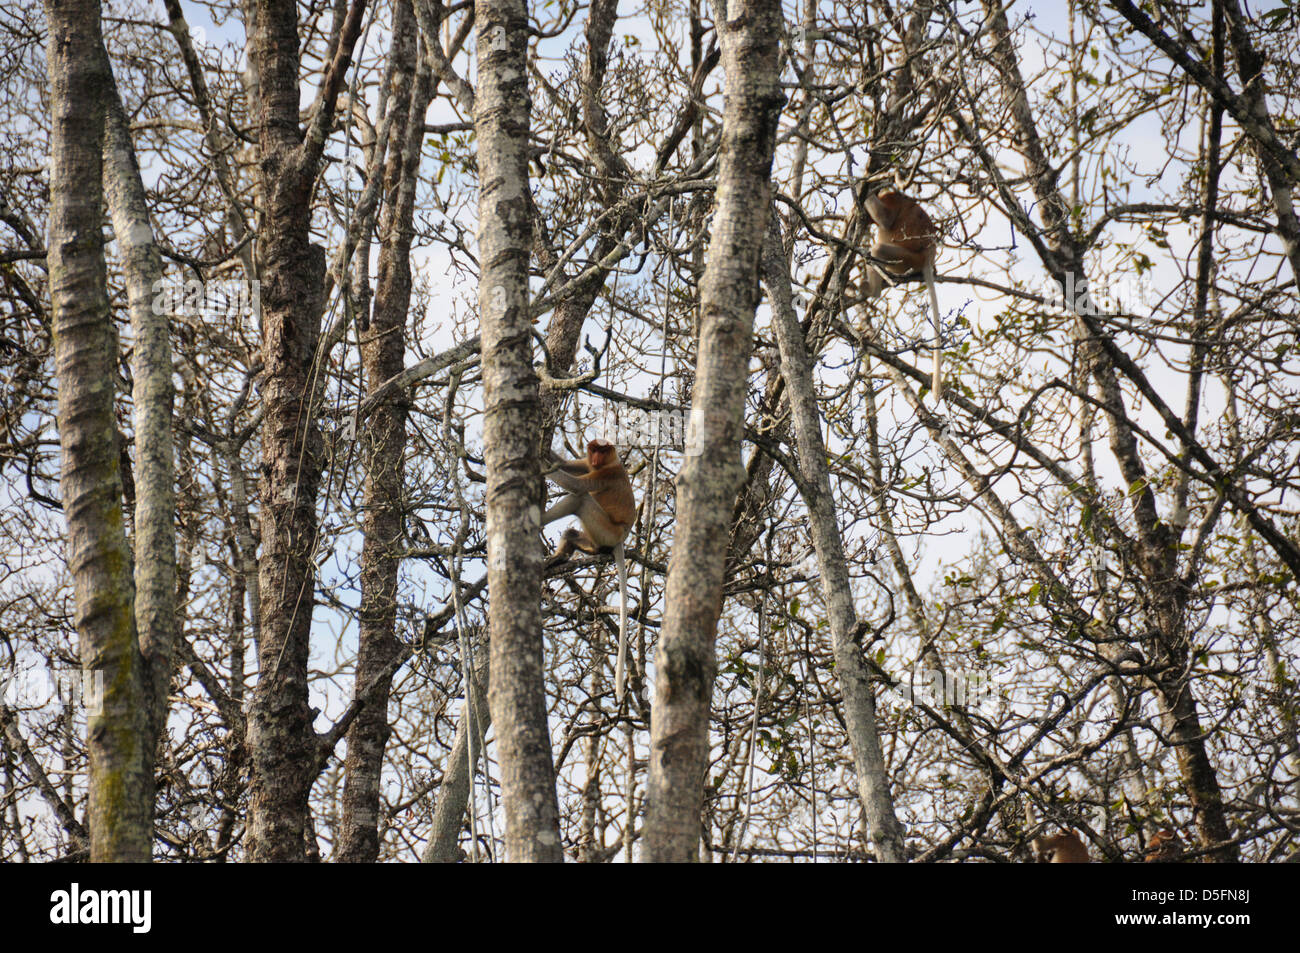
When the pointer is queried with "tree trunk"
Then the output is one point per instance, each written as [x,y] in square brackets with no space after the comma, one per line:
[151,366]
[384,447]
[282,745]
[517,689]
[855,682]
[712,472]
[85,350]
[453,792]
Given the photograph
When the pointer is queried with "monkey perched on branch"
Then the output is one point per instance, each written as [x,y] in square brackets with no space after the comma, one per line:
[905,242]
[600,495]
[1062,848]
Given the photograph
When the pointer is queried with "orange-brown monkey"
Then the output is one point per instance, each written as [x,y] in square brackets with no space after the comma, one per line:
[600,495]
[905,242]
[1061,849]
[1165,847]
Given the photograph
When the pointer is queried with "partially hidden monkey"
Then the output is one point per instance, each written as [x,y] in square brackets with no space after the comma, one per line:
[1165,847]
[600,495]
[1064,848]
[905,242]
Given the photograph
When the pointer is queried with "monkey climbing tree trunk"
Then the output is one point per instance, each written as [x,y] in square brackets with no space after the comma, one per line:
[517,688]
[282,744]
[850,667]
[384,446]
[712,473]
[120,795]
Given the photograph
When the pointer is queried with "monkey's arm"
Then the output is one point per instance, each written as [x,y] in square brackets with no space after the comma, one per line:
[576,477]
[570,474]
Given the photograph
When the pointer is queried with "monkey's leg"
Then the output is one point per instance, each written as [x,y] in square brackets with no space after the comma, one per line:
[566,505]
[889,260]
[875,282]
[573,539]
[896,259]
[600,531]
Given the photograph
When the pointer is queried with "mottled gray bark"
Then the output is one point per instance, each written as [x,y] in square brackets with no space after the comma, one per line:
[383,440]
[453,792]
[120,796]
[152,397]
[517,689]
[856,688]
[283,747]
[712,473]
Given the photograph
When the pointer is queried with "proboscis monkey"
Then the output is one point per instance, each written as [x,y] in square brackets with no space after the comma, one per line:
[905,242]
[1061,849]
[600,495]
[1163,848]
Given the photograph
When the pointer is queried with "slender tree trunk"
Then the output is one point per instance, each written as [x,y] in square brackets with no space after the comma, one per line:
[855,682]
[712,472]
[517,690]
[384,447]
[85,351]
[151,367]
[453,793]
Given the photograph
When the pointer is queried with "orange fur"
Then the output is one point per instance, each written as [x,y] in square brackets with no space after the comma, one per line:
[906,241]
[600,495]
[1064,848]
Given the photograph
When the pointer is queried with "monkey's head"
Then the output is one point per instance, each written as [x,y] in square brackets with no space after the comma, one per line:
[600,452]
[1062,849]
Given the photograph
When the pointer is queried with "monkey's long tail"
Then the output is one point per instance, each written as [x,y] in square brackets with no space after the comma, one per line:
[936,374]
[621,665]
